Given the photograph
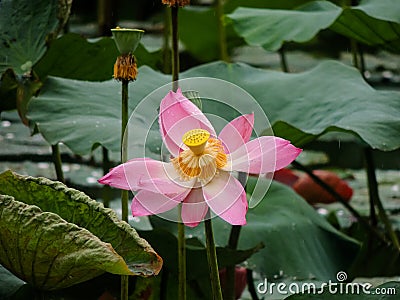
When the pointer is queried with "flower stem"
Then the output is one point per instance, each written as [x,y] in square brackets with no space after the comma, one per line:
[223,48]
[283,59]
[229,291]
[181,257]
[375,199]
[181,225]
[250,284]
[124,158]
[212,260]
[175,49]
[55,149]
[124,145]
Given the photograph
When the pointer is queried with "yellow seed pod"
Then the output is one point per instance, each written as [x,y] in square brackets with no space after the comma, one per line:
[196,140]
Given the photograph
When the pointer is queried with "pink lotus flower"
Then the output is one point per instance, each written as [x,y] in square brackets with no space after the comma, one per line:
[199,174]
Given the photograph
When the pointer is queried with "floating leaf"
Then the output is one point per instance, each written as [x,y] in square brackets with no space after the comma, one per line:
[25,26]
[269,28]
[82,213]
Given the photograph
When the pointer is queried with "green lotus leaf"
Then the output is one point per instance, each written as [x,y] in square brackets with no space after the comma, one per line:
[269,28]
[388,10]
[356,23]
[304,106]
[375,23]
[301,107]
[62,209]
[25,28]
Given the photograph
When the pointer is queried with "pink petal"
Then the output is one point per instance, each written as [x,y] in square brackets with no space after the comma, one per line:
[227,198]
[147,174]
[194,208]
[237,132]
[147,203]
[177,116]
[262,155]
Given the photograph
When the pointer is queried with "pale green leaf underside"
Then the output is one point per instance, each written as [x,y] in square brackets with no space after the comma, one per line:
[372,23]
[48,252]
[269,28]
[76,208]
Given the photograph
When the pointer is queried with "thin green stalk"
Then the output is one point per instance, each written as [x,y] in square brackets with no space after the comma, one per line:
[124,145]
[229,291]
[374,197]
[55,150]
[212,259]
[124,158]
[354,53]
[181,225]
[250,284]
[223,48]
[181,257]
[283,60]
[175,48]
[339,198]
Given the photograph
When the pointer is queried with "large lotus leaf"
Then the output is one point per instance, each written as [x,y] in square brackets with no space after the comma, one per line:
[269,28]
[330,97]
[45,250]
[298,242]
[301,107]
[372,23]
[381,30]
[75,207]
[388,10]
[72,56]
[25,26]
